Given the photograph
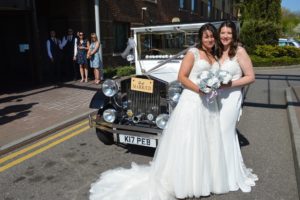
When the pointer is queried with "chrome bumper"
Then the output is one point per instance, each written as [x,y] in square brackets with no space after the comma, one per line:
[116,129]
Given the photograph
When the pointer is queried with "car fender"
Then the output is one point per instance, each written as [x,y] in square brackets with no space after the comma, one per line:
[99,100]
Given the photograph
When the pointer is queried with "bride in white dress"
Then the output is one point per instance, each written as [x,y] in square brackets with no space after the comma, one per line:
[235,60]
[189,160]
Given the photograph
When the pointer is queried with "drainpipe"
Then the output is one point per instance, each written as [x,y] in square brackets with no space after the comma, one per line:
[97,25]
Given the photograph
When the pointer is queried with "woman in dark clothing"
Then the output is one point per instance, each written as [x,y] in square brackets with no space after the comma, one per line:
[80,55]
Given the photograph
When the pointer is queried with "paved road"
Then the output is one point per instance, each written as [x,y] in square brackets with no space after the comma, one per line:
[66,171]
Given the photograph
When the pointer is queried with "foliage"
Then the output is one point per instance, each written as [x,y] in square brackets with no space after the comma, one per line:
[109,72]
[260,23]
[259,32]
[125,71]
[279,61]
[289,21]
[268,55]
[268,51]
[119,71]
[262,10]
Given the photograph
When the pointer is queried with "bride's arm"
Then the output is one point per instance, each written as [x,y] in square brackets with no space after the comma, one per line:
[184,72]
[247,69]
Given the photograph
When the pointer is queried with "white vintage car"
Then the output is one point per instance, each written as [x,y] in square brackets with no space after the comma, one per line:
[134,110]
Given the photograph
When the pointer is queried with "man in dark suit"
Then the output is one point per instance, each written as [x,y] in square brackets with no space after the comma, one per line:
[68,43]
[54,55]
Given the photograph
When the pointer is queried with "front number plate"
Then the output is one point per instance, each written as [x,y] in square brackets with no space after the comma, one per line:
[142,85]
[141,141]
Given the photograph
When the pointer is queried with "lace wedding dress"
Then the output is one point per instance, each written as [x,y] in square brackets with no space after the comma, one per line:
[230,101]
[189,160]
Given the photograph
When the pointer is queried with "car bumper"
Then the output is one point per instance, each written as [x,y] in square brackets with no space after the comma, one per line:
[120,131]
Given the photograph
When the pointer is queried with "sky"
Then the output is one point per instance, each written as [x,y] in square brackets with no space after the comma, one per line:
[292,5]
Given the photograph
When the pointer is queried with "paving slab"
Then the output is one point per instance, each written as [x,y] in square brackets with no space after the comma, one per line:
[31,112]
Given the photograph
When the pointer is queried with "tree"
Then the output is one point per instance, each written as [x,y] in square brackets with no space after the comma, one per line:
[260,22]
[289,22]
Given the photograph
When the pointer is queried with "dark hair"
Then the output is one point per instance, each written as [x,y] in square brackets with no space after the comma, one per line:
[234,43]
[207,27]
[83,37]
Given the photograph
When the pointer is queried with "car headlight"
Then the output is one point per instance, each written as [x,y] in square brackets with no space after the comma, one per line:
[109,88]
[174,92]
[109,115]
[161,120]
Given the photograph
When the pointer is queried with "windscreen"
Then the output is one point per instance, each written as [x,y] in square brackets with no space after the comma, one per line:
[163,45]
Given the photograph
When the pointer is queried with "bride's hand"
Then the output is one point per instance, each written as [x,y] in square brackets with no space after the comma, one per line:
[201,92]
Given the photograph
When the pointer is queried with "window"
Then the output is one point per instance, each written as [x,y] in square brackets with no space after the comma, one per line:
[120,36]
[194,5]
[163,45]
[209,8]
[183,4]
[203,11]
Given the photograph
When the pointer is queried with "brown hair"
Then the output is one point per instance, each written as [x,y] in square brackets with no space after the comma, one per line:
[207,27]
[234,43]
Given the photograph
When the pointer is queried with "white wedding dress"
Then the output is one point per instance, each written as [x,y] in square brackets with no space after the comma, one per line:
[230,101]
[189,160]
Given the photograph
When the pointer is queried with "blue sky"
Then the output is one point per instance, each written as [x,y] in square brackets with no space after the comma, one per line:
[292,5]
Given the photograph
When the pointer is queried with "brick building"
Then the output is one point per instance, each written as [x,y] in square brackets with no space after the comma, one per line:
[25,25]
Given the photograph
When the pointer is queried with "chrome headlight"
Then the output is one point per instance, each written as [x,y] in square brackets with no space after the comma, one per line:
[109,88]
[161,120]
[109,115]
[174,92]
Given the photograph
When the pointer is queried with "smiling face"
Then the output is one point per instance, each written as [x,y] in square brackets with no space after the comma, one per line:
[208,40]
[226,36]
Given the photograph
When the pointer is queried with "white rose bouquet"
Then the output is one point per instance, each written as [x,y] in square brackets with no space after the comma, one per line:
[210,80]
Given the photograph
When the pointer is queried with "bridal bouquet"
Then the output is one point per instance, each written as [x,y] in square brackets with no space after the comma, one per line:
[210,80]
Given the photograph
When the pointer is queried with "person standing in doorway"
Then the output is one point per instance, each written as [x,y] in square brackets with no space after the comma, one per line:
[68,43]
[80,55]
[54,54]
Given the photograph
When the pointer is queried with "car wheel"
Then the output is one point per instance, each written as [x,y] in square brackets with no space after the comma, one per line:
[105,137]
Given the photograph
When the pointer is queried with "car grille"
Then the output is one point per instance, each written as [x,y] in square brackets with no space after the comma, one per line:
[141,102]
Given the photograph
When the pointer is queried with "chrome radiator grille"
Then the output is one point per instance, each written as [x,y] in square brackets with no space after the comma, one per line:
[141,102]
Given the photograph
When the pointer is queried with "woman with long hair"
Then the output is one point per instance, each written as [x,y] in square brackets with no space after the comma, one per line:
[80,55]
[234,59]
[94,56]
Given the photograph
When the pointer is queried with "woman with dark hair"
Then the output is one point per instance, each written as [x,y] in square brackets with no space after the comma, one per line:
[234,59]
[189,160]
[80,55]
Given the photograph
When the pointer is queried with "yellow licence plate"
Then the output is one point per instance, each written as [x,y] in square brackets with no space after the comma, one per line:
[142,85]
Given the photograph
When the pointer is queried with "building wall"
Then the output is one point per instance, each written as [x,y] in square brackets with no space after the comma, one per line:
[145,12]
[116,18]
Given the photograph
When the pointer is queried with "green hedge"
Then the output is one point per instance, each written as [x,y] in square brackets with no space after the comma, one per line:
[118,71]
[268,55]
[268,51]
[279,61]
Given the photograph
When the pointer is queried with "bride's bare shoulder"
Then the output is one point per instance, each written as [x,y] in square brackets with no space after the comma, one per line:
[241,51]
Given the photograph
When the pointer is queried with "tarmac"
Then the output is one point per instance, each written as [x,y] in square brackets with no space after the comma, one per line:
[28,115]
